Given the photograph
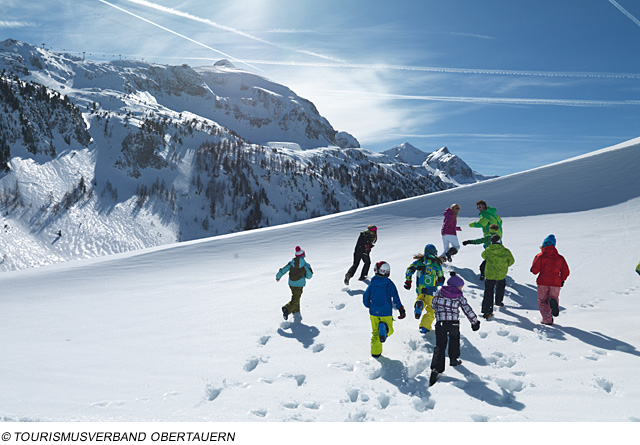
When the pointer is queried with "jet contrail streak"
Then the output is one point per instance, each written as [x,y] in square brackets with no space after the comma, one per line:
[177,34]
[493,100]
[625,12]
[436,69]
[186,15]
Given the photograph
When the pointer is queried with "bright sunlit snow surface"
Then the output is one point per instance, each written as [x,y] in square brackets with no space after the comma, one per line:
[194,332]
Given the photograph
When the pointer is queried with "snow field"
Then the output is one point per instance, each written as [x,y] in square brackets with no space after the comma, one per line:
[193,332]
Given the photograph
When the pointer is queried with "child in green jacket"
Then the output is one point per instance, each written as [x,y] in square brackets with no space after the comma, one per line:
[485,241]
[499,259]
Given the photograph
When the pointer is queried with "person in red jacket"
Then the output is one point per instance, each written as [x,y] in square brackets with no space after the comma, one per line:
[553,270]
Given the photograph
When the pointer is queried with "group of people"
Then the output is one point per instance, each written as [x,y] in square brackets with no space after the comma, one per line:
[437,301]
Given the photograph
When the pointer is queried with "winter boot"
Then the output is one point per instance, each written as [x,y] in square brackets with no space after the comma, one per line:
[417,308]
[451,252]
[553,304]
[382,331]
[285,312]
[347,277]
[423,330]
[455,362]
[433,378]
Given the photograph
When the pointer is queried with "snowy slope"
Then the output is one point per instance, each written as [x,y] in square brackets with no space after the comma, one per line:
[193,332]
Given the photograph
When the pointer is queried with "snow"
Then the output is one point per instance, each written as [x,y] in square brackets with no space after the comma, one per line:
[193,331]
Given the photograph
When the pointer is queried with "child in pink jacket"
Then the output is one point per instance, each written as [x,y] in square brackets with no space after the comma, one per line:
[449,232]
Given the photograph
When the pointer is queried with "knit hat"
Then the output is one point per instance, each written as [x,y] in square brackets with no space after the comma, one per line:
[455,280]
[299,251]
[495,238]
[549,241]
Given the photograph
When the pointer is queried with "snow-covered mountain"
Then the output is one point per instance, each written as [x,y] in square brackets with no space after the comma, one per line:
[106,157]
[441,163]
[451,168]
[407,153]
[194,332]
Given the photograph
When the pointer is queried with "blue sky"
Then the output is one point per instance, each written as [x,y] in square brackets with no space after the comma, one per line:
[506,85]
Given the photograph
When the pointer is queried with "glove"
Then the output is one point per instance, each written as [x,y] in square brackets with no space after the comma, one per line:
[278,280]
[403,313]
[475,326]
[407,284]
[562,284]
[464,243]
[458,229]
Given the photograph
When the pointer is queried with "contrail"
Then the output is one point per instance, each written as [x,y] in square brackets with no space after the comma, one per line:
[625,12]
[225,28]
[436,69]
[493,100]
[177,34]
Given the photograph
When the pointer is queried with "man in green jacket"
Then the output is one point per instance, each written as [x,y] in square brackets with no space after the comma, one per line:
[488,216]
[499,259]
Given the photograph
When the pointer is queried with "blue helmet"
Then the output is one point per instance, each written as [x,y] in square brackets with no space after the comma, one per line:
[430,250]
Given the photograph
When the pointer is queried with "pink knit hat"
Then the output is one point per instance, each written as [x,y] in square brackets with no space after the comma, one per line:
[299,251]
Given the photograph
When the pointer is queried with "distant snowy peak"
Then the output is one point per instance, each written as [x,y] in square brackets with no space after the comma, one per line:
[407,153]
[441,163]
[450,167]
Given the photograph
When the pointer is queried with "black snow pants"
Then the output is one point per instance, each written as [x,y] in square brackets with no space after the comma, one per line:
[446,332]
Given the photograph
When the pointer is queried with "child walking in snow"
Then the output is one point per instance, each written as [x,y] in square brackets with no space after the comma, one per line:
[365,243]
[449,232]
[428,276]
[498,259]
[485,241]
[381,297]
[638,268]
[553,270]
[446,303]
[299,271]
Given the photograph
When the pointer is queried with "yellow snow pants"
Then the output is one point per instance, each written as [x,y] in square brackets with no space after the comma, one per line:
[376,345]
[429,314]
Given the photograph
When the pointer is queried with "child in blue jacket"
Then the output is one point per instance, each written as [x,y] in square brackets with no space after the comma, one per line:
[381,297]
[299,271]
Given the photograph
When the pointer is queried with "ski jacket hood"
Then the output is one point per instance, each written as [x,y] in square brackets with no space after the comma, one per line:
[551,266]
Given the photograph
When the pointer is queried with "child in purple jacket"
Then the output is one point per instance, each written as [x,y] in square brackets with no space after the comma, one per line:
[447,302]
[449,233]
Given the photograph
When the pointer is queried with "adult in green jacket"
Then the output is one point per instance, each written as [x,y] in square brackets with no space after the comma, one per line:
[488,216]
[499,259]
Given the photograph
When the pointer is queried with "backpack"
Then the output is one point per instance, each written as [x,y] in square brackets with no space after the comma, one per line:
[296,272]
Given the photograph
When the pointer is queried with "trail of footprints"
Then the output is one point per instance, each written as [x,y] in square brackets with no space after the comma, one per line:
[364,397]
